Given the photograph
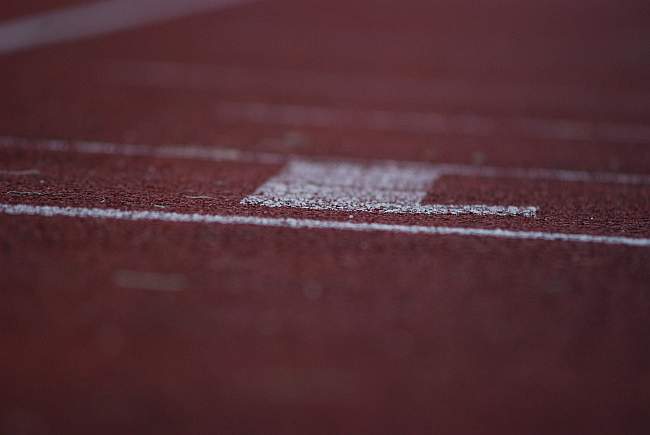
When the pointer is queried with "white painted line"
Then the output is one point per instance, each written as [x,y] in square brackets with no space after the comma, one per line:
[220,154]
[432,123]
[97,18]
[314,224]
[384,188]
[191,152]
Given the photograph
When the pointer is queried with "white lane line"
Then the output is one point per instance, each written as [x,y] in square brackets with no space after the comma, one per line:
[367,87]
[432,123]
[98,213]
[385,188]
[97,18]
[220,154]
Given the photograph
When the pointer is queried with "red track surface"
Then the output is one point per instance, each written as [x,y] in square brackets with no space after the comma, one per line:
[273,330]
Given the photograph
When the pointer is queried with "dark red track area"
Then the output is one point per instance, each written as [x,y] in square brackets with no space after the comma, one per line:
[111,326]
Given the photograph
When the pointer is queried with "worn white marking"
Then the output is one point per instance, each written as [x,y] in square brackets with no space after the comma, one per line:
[99,213]
[163,282]
[220,154]
[97,18]
[386,188]
[429,122]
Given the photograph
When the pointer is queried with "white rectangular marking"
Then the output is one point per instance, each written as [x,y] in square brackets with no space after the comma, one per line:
[385,188]
[98,213]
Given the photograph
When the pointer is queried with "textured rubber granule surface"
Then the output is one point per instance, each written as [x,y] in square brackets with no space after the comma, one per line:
[110,325]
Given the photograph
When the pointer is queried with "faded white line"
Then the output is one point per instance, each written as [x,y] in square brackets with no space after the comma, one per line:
[347,87]
[19,173]
[313,224]
[191,152]
[220,154]
[385,188]
[432,123]
[97,18]
[163,282]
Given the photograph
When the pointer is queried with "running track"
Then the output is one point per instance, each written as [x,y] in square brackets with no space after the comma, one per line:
[293,216]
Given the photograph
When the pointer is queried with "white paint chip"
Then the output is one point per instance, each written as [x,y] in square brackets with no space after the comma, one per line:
[384,188]
[314,224]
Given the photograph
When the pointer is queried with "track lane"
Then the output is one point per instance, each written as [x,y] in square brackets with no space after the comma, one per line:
[257,295]
[135,327]
[191,186]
